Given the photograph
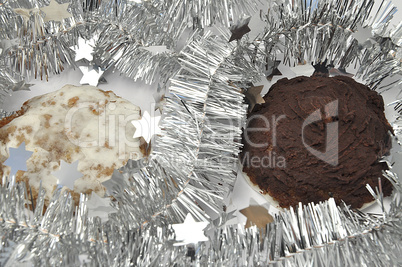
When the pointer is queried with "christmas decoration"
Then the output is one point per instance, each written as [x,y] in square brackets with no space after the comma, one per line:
[67,174]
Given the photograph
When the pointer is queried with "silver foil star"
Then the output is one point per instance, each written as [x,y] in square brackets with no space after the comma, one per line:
[20,86]
[99,207]
[115,182]
[224,218]
[253,96]
[256,215]
[240,29]
[120,177]
[18,159]
[55,11]
[362,34]
[271,69]
[67,174]
[147,127]
[190,231]
[92,74]
[133,166]
[84,49]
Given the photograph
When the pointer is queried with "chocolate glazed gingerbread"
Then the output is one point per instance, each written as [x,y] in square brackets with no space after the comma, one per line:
[305,158]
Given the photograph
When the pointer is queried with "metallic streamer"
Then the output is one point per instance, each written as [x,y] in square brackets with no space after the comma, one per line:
[43,47]
[9,84]
[202,133]
[315,235]
[206,13]
[203,118]
[323,31]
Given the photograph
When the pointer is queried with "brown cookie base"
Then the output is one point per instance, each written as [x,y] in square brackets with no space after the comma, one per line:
[363,138]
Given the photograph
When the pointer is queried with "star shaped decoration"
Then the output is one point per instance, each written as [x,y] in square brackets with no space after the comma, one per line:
[55,11]
[121,176]
[102,80]
[321,69]
[190,231]
[84,49]
[92,74]
[116,181]
[224,218]
[159,98]
[239,29]
[253,96]
[339,72]
[17,159]
[257,215]
[272,69]
[67,174]
[21,86]
[362,34]
[275,72]
[25,13]
[147,127]
[99,207]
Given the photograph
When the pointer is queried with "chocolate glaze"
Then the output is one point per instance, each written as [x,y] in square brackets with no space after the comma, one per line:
[291,173]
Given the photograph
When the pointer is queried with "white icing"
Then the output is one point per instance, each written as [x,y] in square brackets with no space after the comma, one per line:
[53,130]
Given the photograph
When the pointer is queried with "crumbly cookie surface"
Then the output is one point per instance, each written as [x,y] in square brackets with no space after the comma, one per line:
[74,123]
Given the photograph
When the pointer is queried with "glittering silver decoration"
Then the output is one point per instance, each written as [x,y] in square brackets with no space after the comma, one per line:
[147,126]
[125,28]
[55,11]
[203,115]
[314,33]
[17,159]
[206,13]
[190,231]
[321,235]
[99,207]
[91,75]
[240,29]
[67,174]
[9,84]
[84,49]
[193,161]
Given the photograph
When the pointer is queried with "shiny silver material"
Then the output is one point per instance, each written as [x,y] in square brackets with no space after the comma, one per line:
[193,162]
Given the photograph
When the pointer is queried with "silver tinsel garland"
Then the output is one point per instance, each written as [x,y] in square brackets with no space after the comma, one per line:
[194,160]
[203,116]
[324,31]
[314,235]
[42,48]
